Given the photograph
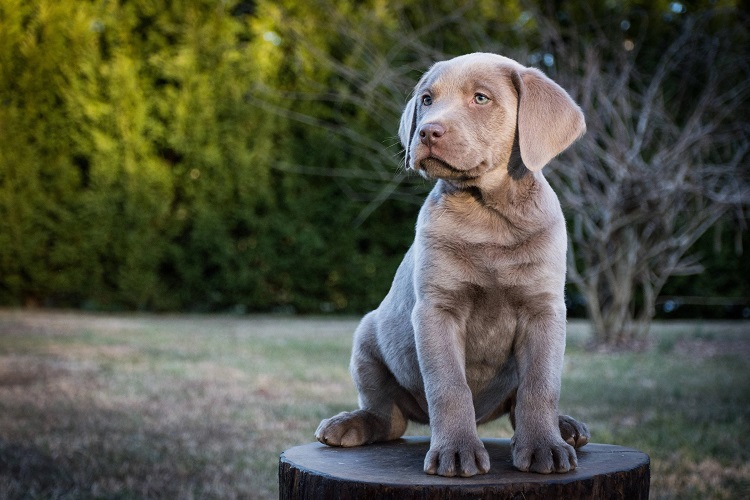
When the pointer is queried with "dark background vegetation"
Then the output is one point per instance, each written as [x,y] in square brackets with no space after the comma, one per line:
[162,156]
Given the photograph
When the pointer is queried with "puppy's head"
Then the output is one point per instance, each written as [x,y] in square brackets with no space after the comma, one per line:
[468,113]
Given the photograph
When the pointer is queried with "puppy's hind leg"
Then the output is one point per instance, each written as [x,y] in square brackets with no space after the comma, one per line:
[369,424]
[575,433]
[379,417]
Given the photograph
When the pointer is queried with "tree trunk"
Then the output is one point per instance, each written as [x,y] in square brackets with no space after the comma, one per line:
[393,470]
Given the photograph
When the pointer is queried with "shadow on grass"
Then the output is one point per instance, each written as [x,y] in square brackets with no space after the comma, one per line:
[136,453]
[26,472]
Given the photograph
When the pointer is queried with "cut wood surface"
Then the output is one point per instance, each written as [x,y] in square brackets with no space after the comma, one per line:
[394,470]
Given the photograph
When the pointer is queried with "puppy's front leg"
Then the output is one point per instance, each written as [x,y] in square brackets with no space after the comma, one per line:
[537,443]
[455,448]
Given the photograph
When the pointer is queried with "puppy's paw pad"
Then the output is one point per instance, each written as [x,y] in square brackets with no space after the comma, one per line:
[573,432]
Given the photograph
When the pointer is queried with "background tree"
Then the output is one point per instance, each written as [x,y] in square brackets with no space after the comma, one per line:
[42,249]
[131,165]
[666,150]
[664,158]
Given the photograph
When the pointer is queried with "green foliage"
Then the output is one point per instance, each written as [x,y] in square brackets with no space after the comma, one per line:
[41,244]
[136,173]
[129,169]
[139,169]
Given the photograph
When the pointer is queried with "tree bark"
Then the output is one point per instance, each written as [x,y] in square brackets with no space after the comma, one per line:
[393,470]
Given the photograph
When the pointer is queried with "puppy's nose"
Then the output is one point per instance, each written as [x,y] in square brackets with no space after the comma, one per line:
[430,133]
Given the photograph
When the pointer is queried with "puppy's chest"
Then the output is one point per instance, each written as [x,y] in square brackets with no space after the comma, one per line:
[490,256]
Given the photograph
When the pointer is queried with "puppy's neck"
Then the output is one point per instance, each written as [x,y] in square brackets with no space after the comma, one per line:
[505,194]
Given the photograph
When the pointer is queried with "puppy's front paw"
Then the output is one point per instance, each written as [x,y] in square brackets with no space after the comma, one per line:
[463,457]
[345,429]
[543,456]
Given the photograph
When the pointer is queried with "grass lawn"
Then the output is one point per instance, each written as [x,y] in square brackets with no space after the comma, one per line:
[132,406]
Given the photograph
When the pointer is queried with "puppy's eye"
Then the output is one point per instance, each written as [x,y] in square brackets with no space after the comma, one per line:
[426,100]
[481,99]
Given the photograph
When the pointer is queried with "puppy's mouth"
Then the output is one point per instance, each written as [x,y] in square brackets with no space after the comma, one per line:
[439,169]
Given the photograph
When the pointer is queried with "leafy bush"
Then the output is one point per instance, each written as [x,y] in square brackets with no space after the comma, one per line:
[157,155]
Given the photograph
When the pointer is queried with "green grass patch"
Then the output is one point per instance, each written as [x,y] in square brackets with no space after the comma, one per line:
[201,406]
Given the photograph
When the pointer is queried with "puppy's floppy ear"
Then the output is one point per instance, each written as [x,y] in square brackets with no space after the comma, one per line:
[548,119]
[407,127]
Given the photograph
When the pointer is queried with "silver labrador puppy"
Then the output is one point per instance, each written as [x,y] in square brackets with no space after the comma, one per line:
[474,324]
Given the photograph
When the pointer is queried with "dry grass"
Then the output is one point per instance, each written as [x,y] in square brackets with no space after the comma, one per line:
[201,407]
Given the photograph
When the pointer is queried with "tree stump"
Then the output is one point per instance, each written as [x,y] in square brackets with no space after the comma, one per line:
[393,470]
